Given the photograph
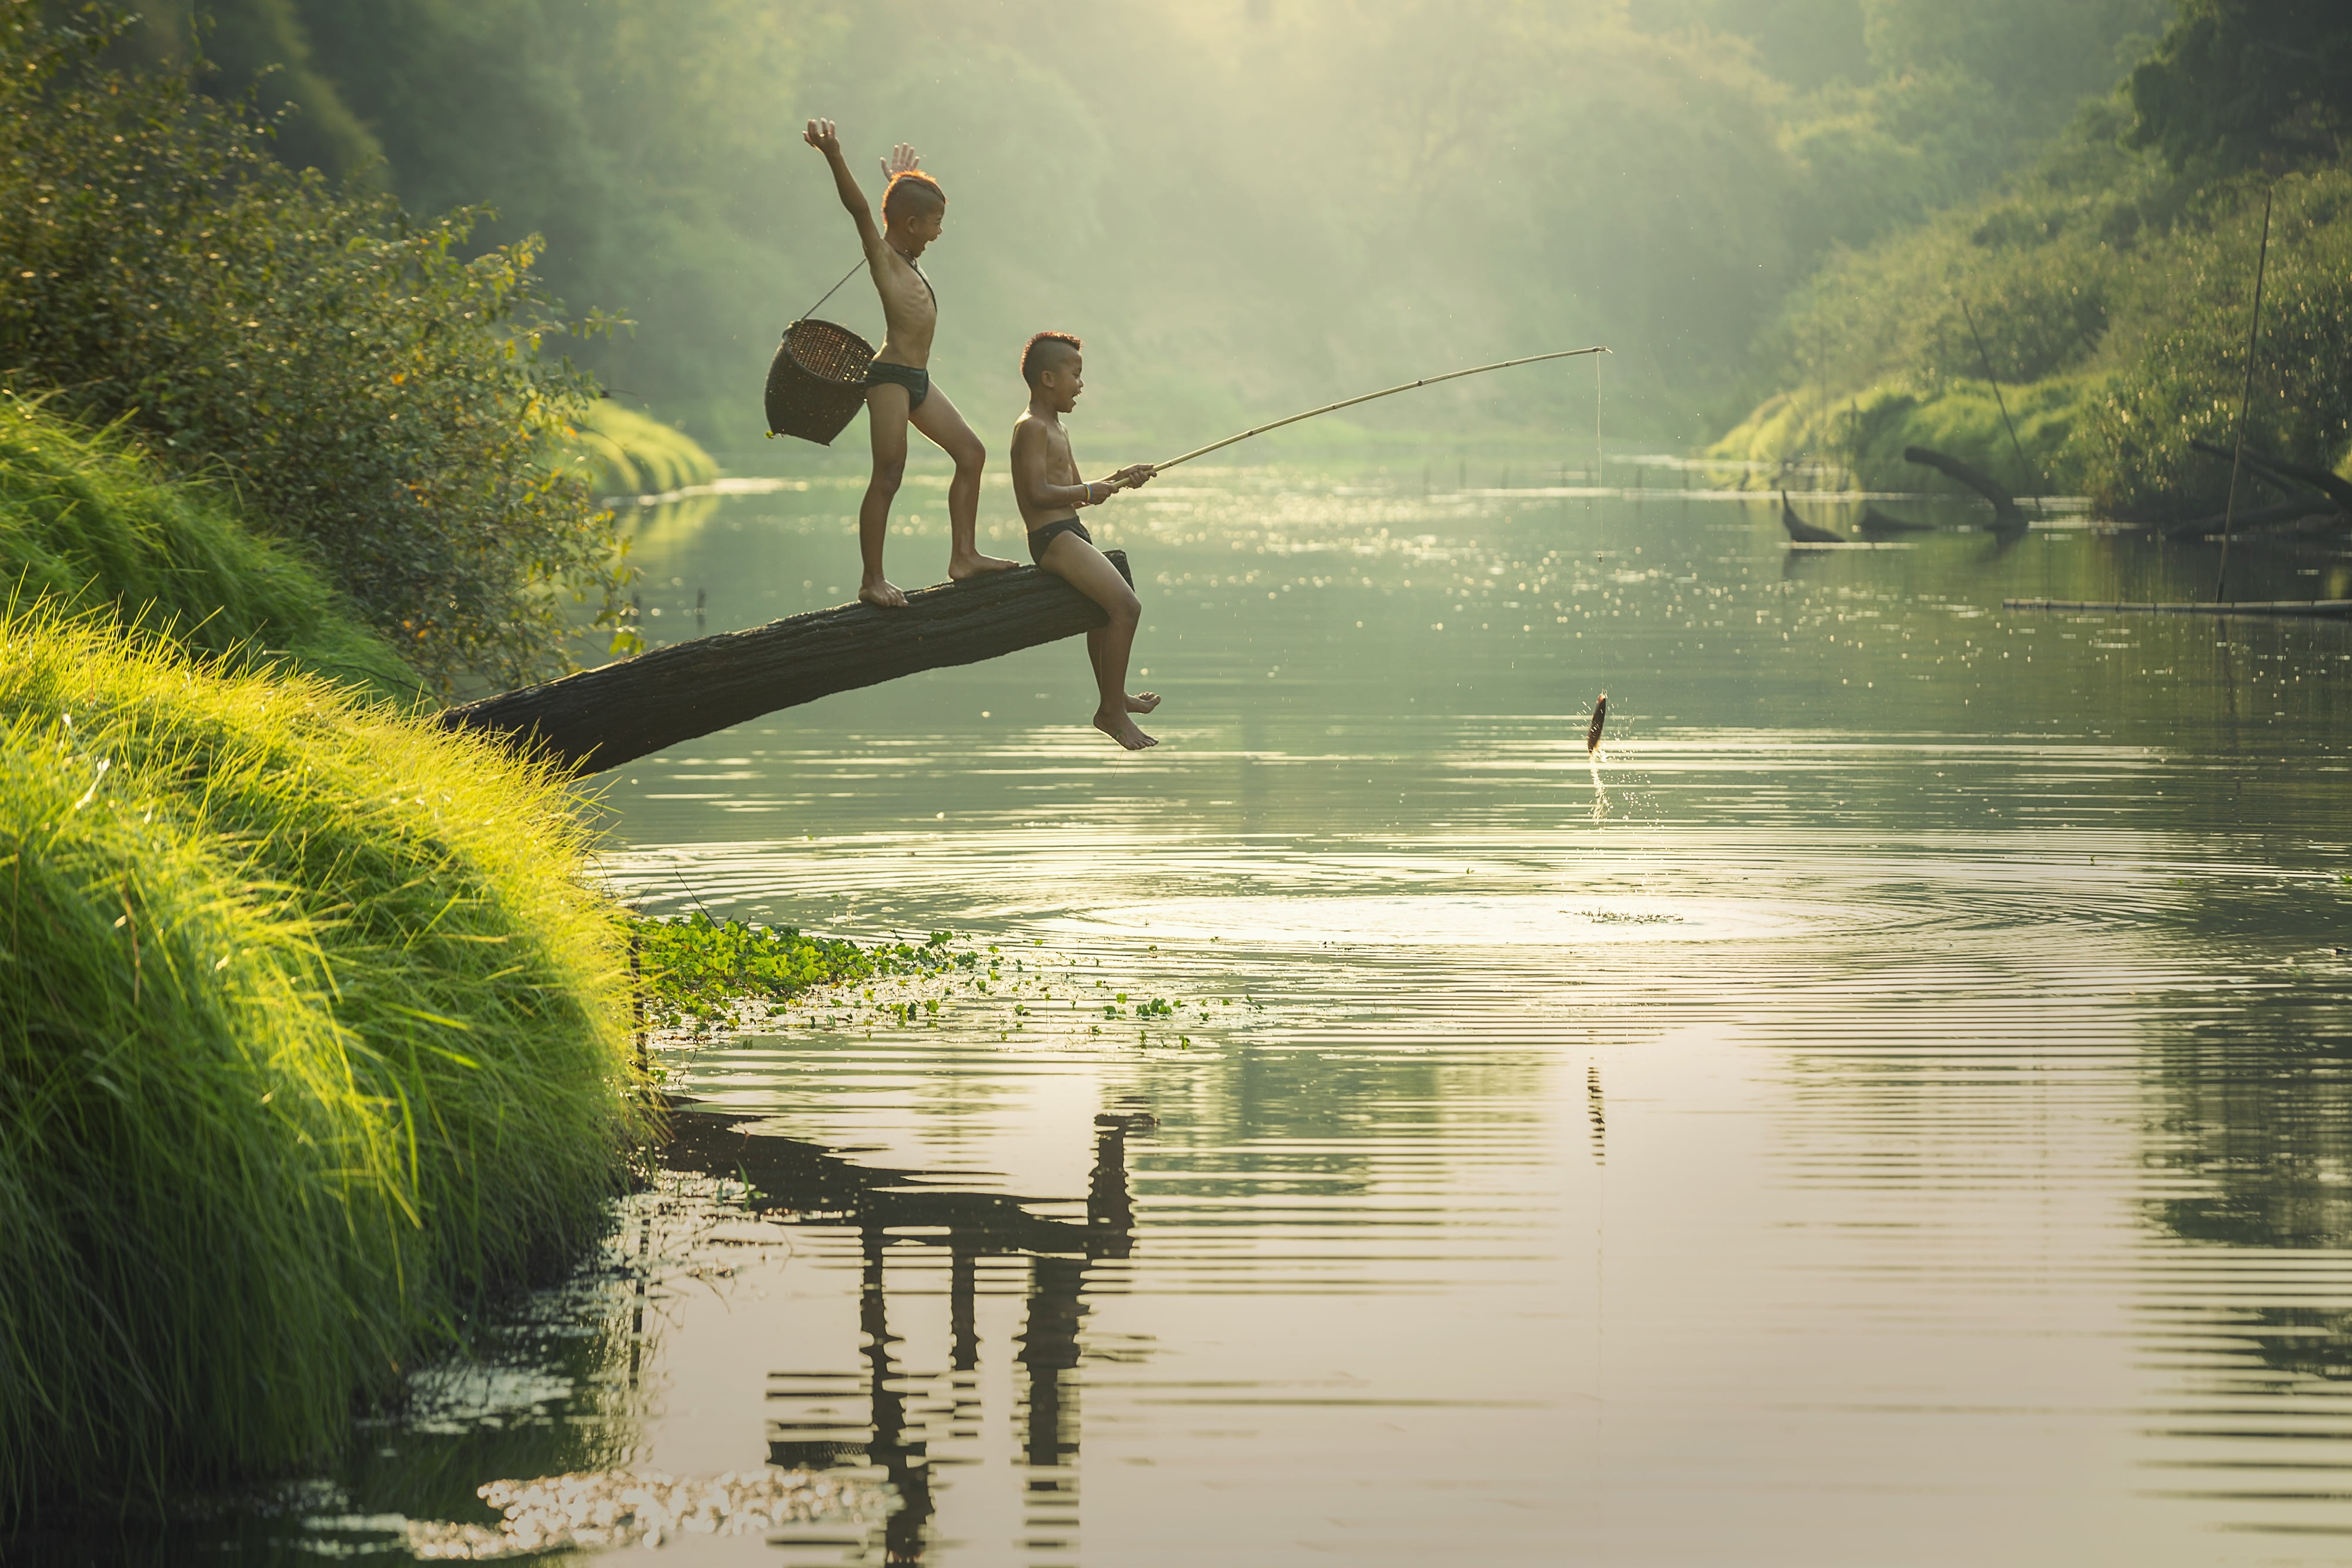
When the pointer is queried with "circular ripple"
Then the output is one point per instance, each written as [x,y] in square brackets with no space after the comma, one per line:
[1455,920]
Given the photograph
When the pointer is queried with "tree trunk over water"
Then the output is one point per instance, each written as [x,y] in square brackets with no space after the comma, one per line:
[2006,517]
[603,717]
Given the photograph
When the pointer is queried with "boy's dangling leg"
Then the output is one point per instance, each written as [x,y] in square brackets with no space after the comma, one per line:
[938,419]
[885,419]
[1086,569]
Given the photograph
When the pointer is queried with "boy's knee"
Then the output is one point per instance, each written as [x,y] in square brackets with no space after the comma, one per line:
[1127,611]
[972,459]
[888,472]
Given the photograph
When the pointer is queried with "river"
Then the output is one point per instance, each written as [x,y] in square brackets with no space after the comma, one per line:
[1889,1107]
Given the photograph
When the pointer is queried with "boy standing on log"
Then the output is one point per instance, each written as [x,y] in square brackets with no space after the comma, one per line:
[1046,486]
[898,391]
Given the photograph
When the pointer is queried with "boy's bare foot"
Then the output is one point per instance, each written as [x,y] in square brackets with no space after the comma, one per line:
[1121,728]
[1142,702]
[876,591]
[961,566]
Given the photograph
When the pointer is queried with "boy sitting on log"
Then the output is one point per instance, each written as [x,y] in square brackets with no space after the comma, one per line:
[898,391]
[1046,486]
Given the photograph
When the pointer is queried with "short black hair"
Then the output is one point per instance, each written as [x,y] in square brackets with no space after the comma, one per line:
[1033,365]
[916,187]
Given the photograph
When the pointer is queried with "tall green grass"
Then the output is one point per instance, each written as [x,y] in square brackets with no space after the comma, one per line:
[310,1030]
[87,521]
[621,451]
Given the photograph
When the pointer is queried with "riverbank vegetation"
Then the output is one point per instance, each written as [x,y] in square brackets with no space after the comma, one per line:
[366,389]
[2108,287]
[313,1033]
[313,1030]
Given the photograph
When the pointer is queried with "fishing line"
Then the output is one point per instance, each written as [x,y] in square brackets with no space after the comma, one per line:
[1999,402]
[2254,330]
[1386,391]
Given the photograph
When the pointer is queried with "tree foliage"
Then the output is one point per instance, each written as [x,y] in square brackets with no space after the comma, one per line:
[365,386]
[2249,81]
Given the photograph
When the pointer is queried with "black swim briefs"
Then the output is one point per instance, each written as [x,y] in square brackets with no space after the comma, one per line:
[1040,537]
[917,382]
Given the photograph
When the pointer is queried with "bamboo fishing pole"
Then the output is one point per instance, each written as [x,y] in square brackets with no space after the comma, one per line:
[1385,391]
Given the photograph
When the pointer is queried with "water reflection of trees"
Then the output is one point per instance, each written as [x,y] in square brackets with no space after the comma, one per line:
[2260,1114]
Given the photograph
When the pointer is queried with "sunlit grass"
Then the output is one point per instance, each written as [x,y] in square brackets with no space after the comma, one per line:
[86,521]
[309,1031]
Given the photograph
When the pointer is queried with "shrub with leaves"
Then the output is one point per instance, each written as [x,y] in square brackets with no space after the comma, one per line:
[366,387]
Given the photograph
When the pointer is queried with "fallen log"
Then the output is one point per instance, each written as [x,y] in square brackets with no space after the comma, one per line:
[2277,515]
[2006,517]
[1876,522]
[2331,608]
[619,712]
[2286,475]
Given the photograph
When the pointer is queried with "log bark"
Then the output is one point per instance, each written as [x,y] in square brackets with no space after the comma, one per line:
[2006,517]
[2286,475]
[603,717]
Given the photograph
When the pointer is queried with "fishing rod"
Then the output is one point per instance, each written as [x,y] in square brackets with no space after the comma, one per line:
[1386,391]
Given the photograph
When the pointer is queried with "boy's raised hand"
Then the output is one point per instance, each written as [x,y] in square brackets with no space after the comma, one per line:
[820,135]
[902,160]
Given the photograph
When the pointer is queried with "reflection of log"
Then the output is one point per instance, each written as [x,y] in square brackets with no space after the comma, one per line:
[603,717]
[2280,516]
[1876,522]
[2006,517]
[1803,533]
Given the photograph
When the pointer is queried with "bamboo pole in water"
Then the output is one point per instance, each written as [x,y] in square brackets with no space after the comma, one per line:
[1384,392]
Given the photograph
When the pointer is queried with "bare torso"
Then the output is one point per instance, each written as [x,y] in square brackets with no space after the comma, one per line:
[1031,433]
[909,309]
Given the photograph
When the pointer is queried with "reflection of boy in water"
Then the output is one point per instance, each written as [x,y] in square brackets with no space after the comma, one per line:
[898,391]
[1046,486]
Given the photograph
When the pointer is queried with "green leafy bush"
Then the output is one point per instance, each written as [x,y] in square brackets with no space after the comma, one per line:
[363,386]
[2188,376]
[88,522]
[310,1029]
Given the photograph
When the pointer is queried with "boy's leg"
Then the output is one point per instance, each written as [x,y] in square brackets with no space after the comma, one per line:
[1089,572]
[885,419]
[938,419]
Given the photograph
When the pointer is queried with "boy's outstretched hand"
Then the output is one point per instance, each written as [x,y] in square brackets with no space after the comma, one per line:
[820,135]
[903,159]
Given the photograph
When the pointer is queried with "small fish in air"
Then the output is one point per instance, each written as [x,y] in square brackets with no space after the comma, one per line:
[1600,718]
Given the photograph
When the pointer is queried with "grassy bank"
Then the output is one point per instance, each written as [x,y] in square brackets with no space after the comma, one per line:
[87,522]
[621,451]
[2110,293]
[309,1031]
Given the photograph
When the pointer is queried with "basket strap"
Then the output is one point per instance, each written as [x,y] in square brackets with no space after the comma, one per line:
[834,290]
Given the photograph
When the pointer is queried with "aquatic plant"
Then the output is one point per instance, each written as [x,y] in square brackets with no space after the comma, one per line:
[311,1033]
[87,520]
[697,966]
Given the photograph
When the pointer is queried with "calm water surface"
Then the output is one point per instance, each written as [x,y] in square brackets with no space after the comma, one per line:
[1890,1110]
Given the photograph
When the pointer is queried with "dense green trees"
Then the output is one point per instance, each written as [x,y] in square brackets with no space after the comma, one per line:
[1240,205]
[2113,278]
[362,383]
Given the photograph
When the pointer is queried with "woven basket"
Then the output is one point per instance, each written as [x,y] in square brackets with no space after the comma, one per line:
[816,383]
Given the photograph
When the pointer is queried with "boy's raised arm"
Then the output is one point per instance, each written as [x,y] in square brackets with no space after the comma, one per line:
[821,136]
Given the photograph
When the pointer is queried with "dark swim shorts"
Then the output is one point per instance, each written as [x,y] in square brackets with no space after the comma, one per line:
[917,382]
[1040,537]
